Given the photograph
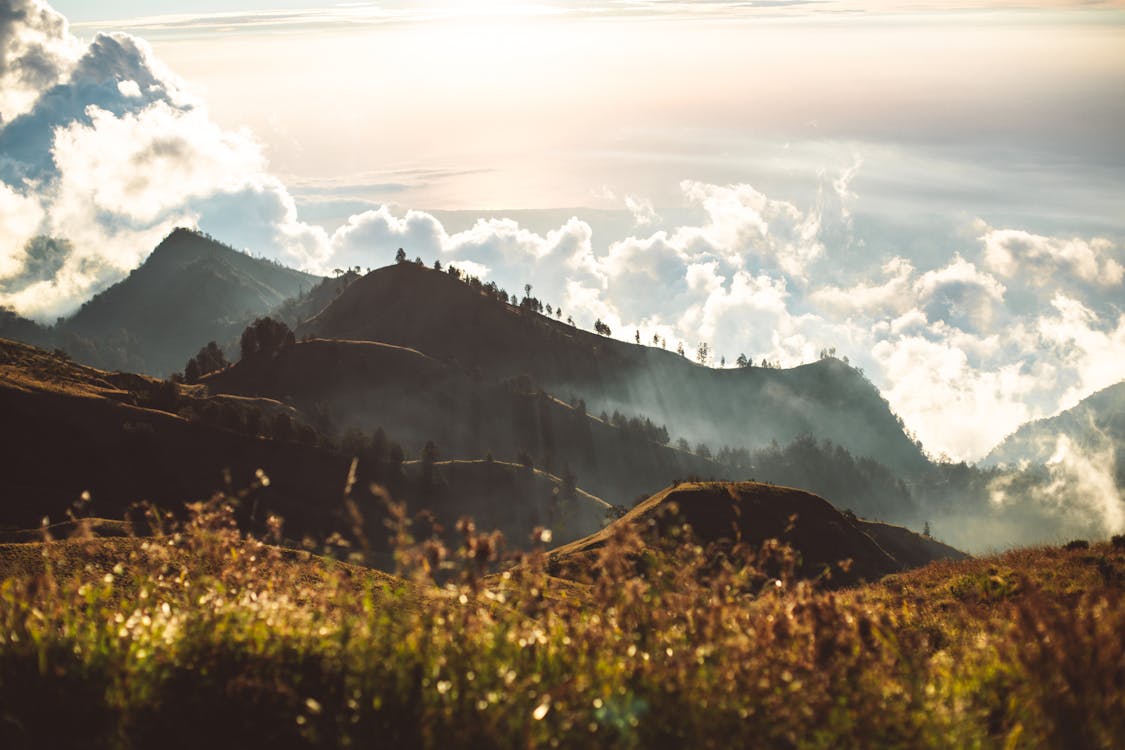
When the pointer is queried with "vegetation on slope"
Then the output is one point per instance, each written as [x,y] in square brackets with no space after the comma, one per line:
[483,329]
[205,638]
[191,289]
[750,513]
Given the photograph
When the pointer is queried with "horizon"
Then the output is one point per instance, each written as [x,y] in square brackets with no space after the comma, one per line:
[934,193]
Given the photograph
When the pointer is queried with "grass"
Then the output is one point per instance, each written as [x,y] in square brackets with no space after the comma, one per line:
[201,637]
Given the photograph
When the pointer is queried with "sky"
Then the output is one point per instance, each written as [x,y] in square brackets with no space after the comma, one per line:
[935,190]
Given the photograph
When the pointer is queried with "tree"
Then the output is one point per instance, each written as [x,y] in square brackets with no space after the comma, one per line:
[210,359]
[637,336]
[602,328]
[400,256]
[742,361]
[926,529]
[703,353]
[680,349]
[265,337]
[437,265]
[191,372]
[723,361]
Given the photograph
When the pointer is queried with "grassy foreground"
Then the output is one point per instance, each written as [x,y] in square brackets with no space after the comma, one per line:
[202,638]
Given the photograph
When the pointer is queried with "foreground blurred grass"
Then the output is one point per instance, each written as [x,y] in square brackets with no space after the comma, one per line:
[199,637]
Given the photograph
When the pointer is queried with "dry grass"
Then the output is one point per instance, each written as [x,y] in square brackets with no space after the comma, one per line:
[204,638]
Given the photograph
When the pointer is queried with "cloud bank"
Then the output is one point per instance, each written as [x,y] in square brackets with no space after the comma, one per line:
[103,151]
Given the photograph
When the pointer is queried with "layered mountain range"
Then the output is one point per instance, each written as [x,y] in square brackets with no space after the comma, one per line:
[459,399]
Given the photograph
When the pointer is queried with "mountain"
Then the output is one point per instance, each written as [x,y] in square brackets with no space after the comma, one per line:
[189,291]
[1095,423]
[296,310]
[469,324]
[349,386]
[752,512]
[70,429]
[19,328]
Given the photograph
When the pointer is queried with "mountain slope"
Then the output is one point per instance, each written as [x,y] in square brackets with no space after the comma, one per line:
[444,317]
[189,291]
[416,398]
[752,512]
[70,429]
[1098,421]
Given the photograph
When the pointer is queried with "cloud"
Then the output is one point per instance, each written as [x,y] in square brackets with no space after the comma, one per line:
[35,50]
[1041,260]
[960,295]
[1075,494]
[892,297]
[108,152]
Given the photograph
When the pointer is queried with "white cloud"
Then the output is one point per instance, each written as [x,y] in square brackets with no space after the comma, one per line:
[1040,260]
[109,153]
[893,296]
[960,295]
[20,217]
[35,51]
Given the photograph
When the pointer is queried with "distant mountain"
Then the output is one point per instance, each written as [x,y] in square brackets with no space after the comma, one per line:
[751,512]
[1096,422]
[359,385]
[19,328]
[189,291]
[466,323]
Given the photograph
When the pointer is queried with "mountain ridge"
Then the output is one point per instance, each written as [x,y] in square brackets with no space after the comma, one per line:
[462,322]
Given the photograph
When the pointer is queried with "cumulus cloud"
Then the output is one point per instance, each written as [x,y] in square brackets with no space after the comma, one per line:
[1040,260]
[960,295]
[108,151]
[35,51]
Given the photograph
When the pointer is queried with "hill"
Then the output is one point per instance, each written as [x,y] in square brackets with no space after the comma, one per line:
[349,386]
[18,328]
[189,291]
[752,513]
[71,429]
[206,639]
[1095,423]
[464,322]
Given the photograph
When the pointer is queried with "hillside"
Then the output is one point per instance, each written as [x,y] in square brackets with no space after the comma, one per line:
[70,429]
[189,291]
[1095,423]
[364,386]
[750,512]
[202,638]
[458,321]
